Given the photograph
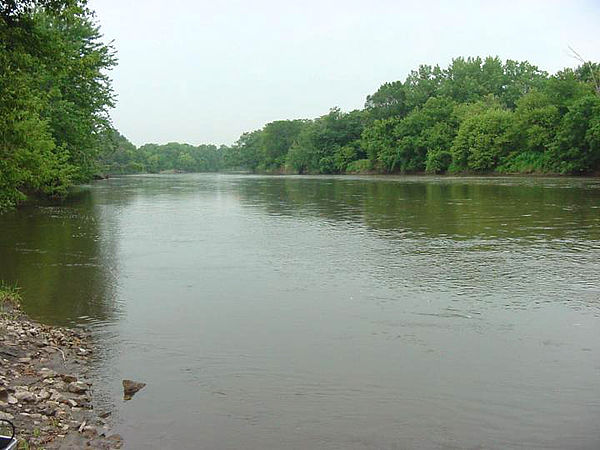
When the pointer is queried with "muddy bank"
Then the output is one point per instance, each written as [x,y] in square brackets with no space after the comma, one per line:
[44,391]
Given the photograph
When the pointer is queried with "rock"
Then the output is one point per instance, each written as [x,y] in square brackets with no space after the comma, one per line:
[77,387]
[61,386]
[44,395]
[45,405]
[6,416]
[47,373]
[116,439]
[89,430]
[60,398]
[68,378]
[48,411]
[25,397]
[130,388]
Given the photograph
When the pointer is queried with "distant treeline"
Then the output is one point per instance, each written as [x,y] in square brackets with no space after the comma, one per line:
[119,156]
[475,116]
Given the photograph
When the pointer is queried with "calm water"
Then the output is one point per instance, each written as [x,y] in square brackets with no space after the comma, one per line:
[329,313]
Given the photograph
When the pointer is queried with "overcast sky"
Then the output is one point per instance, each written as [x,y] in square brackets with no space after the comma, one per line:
[206,71]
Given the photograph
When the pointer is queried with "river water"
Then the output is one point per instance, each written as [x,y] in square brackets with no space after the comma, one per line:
[328,312]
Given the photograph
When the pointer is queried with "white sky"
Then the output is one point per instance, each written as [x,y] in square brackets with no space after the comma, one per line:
[206,71]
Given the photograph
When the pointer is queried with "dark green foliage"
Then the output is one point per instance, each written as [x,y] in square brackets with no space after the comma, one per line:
[483,141]
[576,148]
[477,115]
[276,140]
[121,157]
[54,97]
[327,144]
[388,101]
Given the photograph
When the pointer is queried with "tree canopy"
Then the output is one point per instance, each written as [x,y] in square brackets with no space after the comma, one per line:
[478,115]
[55,96]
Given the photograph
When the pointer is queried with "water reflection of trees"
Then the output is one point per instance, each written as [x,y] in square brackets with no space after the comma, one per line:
[62,258]
[440,207]
[65,256]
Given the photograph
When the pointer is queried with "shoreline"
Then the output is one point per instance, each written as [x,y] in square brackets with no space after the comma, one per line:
[465,175]
[44,390]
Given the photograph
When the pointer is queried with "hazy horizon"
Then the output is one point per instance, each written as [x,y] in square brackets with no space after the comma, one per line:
[205,72]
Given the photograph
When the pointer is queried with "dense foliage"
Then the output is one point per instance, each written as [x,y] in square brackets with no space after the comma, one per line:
[122,157]
[475,116]
[54,96]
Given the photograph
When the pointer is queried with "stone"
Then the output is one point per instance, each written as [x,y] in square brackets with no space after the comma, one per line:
[44,394]
[116,439]
[48,411]
[130,388]
[25,397]
[77,387]
[6,416]
[68,378]
[47,373]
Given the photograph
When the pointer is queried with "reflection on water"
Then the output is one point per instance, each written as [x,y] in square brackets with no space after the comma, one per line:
[62,258]
[329,312]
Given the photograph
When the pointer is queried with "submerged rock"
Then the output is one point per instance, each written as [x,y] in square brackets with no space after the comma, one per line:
[130,388]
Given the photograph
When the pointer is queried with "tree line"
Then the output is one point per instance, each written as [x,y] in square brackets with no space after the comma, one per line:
[475,116]
[120,157]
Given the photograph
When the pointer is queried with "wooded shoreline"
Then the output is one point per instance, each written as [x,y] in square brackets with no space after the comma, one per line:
[477,115]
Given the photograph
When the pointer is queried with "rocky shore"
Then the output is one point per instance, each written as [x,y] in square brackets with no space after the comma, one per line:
[43,387]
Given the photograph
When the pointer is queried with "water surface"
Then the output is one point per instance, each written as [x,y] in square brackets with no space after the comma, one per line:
[328,312]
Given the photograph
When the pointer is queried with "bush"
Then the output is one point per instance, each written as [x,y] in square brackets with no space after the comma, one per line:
[359,166]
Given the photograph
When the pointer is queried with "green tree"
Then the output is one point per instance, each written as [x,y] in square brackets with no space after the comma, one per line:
[388,101]
[276,140]
[576,148]
[54,97]
[483,140]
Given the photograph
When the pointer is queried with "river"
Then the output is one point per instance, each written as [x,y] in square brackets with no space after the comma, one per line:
[328,312]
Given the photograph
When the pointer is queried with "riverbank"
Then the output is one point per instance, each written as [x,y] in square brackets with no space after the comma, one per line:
[44,390]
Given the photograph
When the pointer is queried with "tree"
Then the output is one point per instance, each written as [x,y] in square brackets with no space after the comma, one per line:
[576,148]
[55,96]
[483,140]
[388,101]
[276,139]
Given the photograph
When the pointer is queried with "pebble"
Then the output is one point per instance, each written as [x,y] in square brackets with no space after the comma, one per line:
[77,387]
[39,388]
